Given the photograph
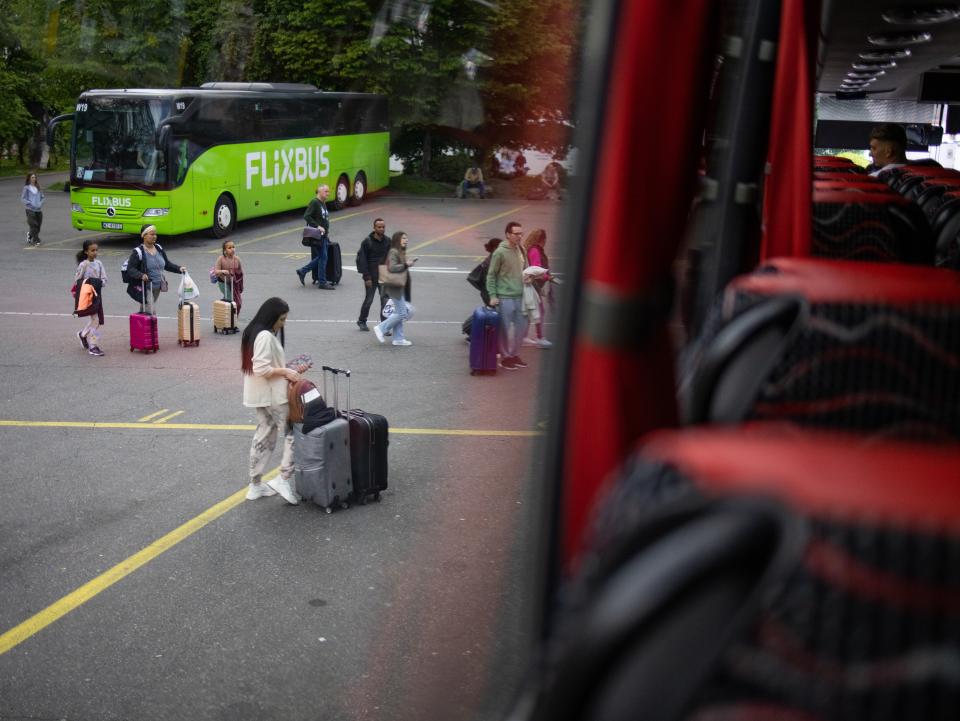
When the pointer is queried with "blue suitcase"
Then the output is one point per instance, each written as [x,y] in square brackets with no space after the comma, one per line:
[484,340]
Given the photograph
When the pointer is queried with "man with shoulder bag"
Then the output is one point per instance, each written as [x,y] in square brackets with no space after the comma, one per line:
[316,236]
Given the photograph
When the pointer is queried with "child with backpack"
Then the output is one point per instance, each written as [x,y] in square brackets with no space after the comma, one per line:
[89,281]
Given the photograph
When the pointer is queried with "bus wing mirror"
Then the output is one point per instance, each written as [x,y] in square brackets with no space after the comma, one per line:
[53,124]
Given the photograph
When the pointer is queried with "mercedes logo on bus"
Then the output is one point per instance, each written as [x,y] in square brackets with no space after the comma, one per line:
[111,211]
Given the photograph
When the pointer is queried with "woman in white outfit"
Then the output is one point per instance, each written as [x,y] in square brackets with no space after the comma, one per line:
[265,378]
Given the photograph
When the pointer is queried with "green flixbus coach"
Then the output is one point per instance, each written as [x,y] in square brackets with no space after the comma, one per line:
[195,158]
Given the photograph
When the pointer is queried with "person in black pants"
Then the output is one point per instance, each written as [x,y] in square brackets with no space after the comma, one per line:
[317,216]
[372,254]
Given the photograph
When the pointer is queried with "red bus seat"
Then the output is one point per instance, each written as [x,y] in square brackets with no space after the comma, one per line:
[870,226]
[866,347]
[854,185]
[764,573]
[832,160]
[835,174]
[947,230]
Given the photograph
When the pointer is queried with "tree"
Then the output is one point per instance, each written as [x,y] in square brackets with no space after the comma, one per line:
[527,87]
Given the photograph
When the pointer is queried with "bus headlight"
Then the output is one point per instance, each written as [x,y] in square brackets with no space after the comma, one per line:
[154,212]
[75,207]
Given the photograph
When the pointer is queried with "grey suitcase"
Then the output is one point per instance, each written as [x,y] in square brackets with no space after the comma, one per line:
[321,464]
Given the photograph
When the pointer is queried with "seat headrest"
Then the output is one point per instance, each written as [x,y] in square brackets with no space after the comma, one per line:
[844,281]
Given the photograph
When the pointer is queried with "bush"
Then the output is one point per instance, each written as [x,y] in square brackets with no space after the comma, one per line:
[450,168]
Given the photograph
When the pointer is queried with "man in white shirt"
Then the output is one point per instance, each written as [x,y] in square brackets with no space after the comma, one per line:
[888,147]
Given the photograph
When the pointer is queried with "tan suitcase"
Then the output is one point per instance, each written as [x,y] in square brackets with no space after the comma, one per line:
[188,324]
[224,317]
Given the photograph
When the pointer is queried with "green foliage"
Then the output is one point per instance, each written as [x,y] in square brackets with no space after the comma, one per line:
[472,75]
[412,185]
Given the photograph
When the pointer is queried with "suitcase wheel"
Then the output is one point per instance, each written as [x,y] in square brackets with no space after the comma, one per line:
[344,505]
[328,510]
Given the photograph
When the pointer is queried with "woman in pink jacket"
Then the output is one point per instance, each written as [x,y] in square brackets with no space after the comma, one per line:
[534,246]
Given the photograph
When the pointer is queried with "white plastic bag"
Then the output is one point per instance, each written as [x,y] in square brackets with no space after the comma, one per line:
[188,290]
[388,309]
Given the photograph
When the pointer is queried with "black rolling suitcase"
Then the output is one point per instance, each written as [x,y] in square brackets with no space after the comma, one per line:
[334,270]
[369,438]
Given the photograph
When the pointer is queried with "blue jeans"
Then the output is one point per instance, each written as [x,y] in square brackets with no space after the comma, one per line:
[395,321]
[467,185]
[511,314]
[318,263]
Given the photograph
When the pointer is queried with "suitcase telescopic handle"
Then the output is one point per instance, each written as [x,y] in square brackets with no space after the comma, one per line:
[335,372]
[143,296]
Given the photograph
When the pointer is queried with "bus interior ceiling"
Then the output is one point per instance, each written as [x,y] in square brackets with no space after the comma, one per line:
[745,553]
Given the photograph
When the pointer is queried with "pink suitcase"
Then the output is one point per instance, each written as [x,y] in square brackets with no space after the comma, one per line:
[143,327]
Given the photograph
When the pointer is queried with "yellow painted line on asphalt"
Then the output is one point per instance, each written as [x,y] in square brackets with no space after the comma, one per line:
[452,233]
[167,418]
[57,610]
[86,236]
[244,243]
[100,425]
[152,415]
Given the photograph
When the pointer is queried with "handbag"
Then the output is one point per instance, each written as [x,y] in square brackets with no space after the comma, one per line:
[478,276]
[312,237]
[393,280]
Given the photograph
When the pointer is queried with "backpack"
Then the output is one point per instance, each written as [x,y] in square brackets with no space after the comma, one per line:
[124,273]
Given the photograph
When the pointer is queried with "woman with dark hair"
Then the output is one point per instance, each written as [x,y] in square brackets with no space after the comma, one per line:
[265,378]
[478,279]
[32,198]
[396,263]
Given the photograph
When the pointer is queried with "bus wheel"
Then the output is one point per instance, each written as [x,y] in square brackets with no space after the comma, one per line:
[341,193]
[359,188]
[224,216]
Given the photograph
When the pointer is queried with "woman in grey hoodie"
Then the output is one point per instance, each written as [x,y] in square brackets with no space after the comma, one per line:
[32,198]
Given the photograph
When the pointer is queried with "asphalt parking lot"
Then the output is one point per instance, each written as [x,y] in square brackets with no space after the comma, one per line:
[137,583]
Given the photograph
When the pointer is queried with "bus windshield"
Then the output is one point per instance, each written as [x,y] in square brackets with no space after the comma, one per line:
[115,141]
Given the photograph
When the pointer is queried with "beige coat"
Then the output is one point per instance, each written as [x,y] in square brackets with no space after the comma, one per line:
[258,391]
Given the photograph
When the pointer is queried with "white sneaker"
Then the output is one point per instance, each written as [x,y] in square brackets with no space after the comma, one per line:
[403,342]
[377,332]
[259,490]
[282,486]
[544,343]
[529,341]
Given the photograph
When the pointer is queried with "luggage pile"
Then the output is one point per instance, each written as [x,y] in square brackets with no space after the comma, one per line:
[339,453]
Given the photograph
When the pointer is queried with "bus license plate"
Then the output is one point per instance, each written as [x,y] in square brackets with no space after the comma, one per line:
[112,226]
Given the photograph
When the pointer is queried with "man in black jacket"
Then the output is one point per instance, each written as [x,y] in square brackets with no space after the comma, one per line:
[372,253]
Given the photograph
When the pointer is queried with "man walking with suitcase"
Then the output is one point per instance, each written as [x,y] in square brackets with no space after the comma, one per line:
[317,216]
[505,287]
[372,254]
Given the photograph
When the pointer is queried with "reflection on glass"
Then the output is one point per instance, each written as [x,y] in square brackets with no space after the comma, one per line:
[116,141]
